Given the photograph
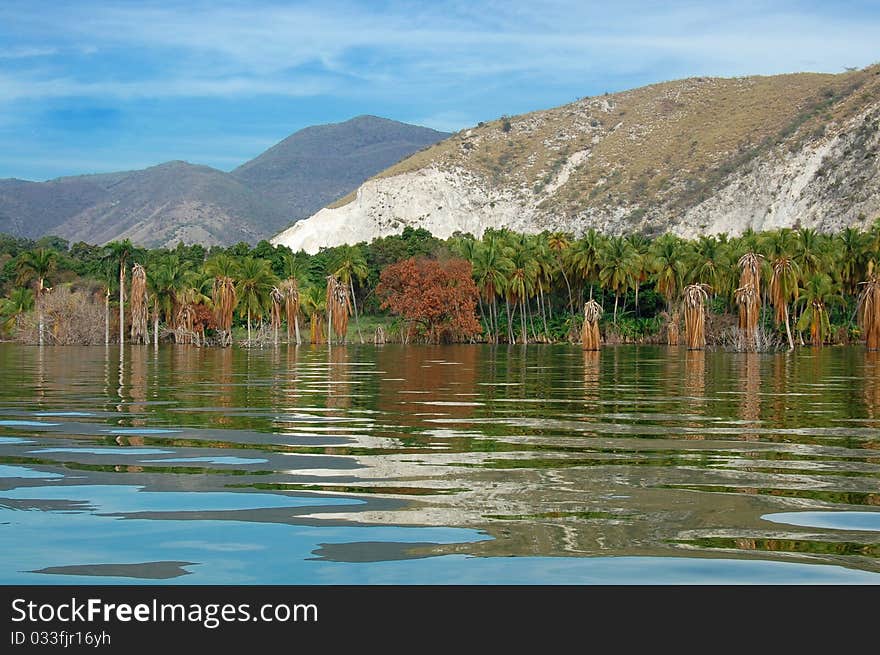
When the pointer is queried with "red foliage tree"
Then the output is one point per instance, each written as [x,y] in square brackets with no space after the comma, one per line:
[438,299]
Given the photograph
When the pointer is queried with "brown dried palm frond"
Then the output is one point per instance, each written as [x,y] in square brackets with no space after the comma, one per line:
[338,306]
[869,312]
[225,300]
[694,298]
[290,291]
[591,339]
[139,308]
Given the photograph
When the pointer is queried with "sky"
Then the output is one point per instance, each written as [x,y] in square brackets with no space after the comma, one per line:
[97,86]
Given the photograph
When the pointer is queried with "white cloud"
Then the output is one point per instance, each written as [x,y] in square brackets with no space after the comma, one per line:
[235,49]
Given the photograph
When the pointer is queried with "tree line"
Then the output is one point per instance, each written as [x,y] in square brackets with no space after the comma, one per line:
[795,286]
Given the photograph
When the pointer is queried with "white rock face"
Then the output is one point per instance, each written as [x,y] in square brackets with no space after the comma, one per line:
[790,189]
[830,182]
[442,202]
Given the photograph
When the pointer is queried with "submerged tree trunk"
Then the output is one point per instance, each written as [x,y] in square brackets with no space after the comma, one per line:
[354,306]
[107,317]
[788,330]
[121,303]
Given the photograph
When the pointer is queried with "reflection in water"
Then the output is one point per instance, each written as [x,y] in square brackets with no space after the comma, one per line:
[542,452]
[872,386]
[591,376]
[750,407]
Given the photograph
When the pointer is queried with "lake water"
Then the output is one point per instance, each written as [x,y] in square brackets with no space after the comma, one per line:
[438,465]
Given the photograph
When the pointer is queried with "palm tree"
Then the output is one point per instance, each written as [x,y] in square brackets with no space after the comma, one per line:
[224,270]
[869,312]
[784,275]
[709,262]
[590,337]
[695,297]
[521,282]
[120,252]
[348,264]
[289,289]
[816,295]
[618,265]
[37,265]
[559,244]
[139,310]
[852,257]
[584,256]
[313,302]
[641,246]
[810,251]
[491,270]
[546,265]
[748,295]
[20,300]
[254,286]
[667,262]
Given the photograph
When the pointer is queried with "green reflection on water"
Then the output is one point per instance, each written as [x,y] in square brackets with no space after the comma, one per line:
[658,443]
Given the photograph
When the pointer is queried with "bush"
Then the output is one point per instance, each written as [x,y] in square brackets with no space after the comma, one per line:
[69,318]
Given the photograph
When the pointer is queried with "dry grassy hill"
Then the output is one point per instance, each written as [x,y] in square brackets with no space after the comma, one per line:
[676,155]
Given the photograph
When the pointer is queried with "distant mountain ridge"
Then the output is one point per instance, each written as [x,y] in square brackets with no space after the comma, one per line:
[180,201]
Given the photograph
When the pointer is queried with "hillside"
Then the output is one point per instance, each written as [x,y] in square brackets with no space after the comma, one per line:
[320,164]
[179,201]
[701,155]
[172,202]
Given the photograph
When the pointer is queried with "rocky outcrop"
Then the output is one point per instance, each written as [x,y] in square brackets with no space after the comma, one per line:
[698,156]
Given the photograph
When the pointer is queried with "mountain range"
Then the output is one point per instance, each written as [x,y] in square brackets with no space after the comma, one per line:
[180,201]
[694,156]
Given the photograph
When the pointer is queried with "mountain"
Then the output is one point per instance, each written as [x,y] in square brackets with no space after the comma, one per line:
[694,156]
[179,201]
[320,164]
[172,202]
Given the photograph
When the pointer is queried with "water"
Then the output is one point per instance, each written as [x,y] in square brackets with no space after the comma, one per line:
[436,465]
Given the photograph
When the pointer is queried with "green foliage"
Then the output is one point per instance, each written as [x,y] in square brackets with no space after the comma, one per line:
[543,279]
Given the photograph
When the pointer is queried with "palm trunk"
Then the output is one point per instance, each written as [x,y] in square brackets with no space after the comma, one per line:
[249,327]
[510,338]
[329,324]
[616,296]
[107,317]
[543,311]
[788,330]
[296,328]
[522,320]
[155,328]
[354,306]
[121,303]
[568,286]
[40,319]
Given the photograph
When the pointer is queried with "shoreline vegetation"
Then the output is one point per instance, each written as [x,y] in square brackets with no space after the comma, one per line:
[765,291]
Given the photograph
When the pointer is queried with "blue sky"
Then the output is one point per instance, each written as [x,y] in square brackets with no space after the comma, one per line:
[97,86]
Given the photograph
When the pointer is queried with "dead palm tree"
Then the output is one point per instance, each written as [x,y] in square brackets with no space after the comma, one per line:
[748,295]
[120,252]
[223,269]
[817,293]
[694,297]
[590,337]
[338,309]
[869,312]
[277,298]
[313,303]
[290,291]
[139,309]
[783,289]
[37,265]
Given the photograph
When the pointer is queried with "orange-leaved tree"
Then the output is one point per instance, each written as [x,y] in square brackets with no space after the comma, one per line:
[438,299]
